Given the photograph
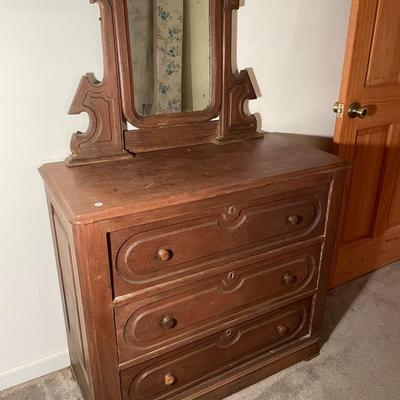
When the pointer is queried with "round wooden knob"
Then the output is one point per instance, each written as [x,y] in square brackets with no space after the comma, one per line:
[289,279]
[165,254]
[282,330]
[168,322]
[293,219]
[169,379]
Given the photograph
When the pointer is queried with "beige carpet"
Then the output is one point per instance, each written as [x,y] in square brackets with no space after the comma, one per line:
[360,359]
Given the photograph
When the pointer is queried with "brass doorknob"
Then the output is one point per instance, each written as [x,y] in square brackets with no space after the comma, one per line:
[338,108]
[169,379]
[356,110]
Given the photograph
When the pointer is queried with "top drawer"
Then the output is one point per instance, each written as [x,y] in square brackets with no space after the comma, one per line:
[160,253]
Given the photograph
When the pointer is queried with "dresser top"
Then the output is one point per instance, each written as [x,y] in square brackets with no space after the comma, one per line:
[176,176]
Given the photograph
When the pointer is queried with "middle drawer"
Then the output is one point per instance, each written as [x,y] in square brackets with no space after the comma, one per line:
[248,288]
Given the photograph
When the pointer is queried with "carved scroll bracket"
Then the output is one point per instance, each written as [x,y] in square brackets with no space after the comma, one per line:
[108,104]
[235,123]
[103,140]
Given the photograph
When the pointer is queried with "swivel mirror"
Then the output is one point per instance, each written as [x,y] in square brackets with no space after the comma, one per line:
[169,45]
[169,75]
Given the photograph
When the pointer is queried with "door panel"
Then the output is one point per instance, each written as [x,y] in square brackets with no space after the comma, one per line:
[368,159]
[384,64]
[395,210]
[369,234]
[390,174]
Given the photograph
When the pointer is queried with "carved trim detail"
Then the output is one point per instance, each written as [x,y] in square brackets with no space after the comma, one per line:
[103,140]
[139,331]
[228,338]
[134,261]
[109,103]
[233,281]
[146,384]
[235,123]
[232,219]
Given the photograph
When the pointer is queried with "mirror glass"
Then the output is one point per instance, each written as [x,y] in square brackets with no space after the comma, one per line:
[170,55]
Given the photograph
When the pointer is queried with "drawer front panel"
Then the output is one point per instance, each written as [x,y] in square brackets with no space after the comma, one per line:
[165,252]
[170,376]
[200,309]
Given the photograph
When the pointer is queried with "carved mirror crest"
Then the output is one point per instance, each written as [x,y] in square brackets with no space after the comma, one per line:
[167,72]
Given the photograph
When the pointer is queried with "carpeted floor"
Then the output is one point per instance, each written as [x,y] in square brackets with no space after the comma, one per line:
[360,358]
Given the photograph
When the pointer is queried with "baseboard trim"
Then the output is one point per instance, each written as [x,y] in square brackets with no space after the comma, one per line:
[34,369]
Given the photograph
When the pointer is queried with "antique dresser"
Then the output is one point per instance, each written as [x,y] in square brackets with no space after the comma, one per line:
[193,252]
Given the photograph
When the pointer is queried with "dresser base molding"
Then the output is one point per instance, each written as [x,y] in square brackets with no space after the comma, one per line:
[251,373]
[262,370]
[259,371]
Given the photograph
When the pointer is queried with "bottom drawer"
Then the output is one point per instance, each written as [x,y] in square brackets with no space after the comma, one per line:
[168,377]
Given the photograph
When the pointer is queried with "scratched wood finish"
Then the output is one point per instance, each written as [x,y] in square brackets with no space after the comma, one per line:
[183,175]
[369,236]
[110,346]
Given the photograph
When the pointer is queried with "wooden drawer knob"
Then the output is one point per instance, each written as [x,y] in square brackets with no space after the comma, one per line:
[293,219]
[289,279]
[282,330]
[165,254]
[169,379]
[168,322]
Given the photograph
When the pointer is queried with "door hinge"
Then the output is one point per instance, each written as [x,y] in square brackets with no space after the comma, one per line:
[338,109]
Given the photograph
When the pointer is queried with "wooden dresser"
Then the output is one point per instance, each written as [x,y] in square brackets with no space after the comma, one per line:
[193,251]
[193,272]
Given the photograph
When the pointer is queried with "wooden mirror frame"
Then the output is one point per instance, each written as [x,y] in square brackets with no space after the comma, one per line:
[109,103]
[126,75]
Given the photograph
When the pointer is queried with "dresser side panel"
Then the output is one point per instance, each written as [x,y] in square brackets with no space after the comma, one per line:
[84,274]
[95,281]
[71,299]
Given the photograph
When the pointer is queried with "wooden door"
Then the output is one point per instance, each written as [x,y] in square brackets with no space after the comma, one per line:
[369,234]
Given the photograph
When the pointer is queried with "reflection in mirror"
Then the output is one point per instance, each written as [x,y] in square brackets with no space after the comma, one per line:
[170,55]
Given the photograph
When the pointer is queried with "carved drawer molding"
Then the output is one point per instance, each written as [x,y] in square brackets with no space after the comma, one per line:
[222,353]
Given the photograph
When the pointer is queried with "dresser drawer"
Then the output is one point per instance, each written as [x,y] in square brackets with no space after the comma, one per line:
[172,375]
[154,255]
[246,289]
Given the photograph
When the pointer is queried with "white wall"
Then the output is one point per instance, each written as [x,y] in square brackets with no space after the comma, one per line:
[294,46]
[45,46]
[296,50]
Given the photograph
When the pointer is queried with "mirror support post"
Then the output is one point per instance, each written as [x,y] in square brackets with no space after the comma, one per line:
[237,89]
[103,141]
